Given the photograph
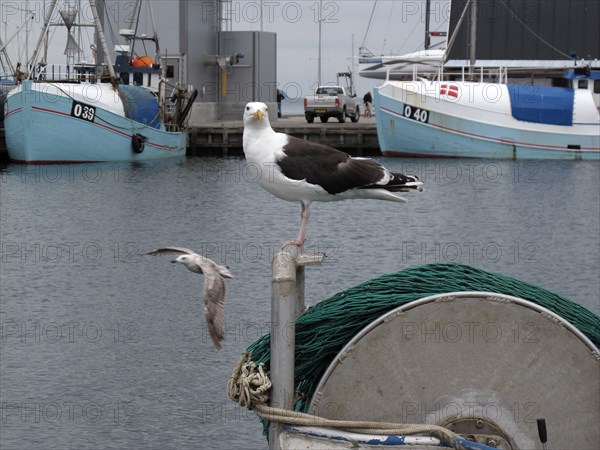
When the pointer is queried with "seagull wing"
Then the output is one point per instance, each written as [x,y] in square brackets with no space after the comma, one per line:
[165,251]
[214,299]
[333,170]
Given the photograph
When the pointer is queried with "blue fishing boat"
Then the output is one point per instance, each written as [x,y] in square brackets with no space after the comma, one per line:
[510,98]
[90,112]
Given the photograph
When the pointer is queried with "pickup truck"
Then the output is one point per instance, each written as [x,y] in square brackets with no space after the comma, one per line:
[332,101]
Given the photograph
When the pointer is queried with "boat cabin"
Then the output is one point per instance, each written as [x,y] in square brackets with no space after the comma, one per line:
[137,70]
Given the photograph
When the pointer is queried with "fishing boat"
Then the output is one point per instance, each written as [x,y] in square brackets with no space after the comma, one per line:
[85,112]
[512,87]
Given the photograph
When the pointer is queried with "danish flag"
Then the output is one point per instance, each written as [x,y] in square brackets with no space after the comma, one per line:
[449,90]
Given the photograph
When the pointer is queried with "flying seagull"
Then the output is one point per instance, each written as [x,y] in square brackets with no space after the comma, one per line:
[214,286]
[297,170]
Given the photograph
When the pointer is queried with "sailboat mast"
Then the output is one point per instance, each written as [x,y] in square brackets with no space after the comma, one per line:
[472,35]
[427,15]
[102,39]
[154,31]
[319,56]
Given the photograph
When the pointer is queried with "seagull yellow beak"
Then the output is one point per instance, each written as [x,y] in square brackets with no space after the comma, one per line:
[258,115]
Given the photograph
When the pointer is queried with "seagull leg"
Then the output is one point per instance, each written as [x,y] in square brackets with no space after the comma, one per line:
[304,214]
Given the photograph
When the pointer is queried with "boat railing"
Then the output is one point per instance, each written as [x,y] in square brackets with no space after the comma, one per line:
[464,73]
[499,74]
[172,127]
[64,72]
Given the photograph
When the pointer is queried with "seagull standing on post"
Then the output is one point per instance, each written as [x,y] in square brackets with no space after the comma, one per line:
[297,170]
[214,286]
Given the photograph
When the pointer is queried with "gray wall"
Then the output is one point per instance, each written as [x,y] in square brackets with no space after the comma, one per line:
[252,78]
[188,28]
[568,25]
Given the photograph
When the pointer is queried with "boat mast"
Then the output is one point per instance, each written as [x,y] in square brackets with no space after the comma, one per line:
[154,33]
[427,14]
[42,37]
[319,58]
[102,38]
[472,38]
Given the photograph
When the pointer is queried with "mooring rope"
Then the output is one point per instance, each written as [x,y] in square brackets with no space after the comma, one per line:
[249,385]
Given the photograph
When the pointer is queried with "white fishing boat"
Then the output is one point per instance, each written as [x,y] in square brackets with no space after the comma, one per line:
[512,87]
[84,112]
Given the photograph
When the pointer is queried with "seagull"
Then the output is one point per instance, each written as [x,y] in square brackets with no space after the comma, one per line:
[214,286]
[297,170]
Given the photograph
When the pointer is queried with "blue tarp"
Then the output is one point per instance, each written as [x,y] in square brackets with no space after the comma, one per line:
[542,104]
[140,105]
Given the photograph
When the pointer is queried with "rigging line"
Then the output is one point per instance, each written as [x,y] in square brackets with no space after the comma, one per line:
[410,34]
[137,24]
[369,25]
[534,33]
[452,37]
[387,29]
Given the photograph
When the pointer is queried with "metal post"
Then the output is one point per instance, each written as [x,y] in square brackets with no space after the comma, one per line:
[287,302]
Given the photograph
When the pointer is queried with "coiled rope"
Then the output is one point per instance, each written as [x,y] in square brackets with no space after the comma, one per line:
[249,385]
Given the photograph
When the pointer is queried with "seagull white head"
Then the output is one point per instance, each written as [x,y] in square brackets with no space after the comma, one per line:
[188,262]
[256,113]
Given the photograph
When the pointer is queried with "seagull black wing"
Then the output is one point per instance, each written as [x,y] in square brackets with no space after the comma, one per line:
[333,170]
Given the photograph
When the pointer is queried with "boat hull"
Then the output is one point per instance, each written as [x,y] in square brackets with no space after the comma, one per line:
[42,126]
[421,118]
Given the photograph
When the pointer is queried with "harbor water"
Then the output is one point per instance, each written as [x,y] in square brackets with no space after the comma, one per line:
[105,348]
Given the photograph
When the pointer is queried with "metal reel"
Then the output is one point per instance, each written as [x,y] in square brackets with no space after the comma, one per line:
[483,364]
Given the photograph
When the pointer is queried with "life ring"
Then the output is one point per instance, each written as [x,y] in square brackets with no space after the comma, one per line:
[138,142]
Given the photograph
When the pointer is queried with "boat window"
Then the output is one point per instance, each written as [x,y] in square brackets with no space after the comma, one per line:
[138,79]
[596,86]
[561,82]
[582,84]
[125,77]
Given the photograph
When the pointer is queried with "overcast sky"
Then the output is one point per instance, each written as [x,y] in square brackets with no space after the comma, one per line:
[397,27]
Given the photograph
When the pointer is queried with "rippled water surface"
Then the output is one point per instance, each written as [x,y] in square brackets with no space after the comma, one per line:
[102,347]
